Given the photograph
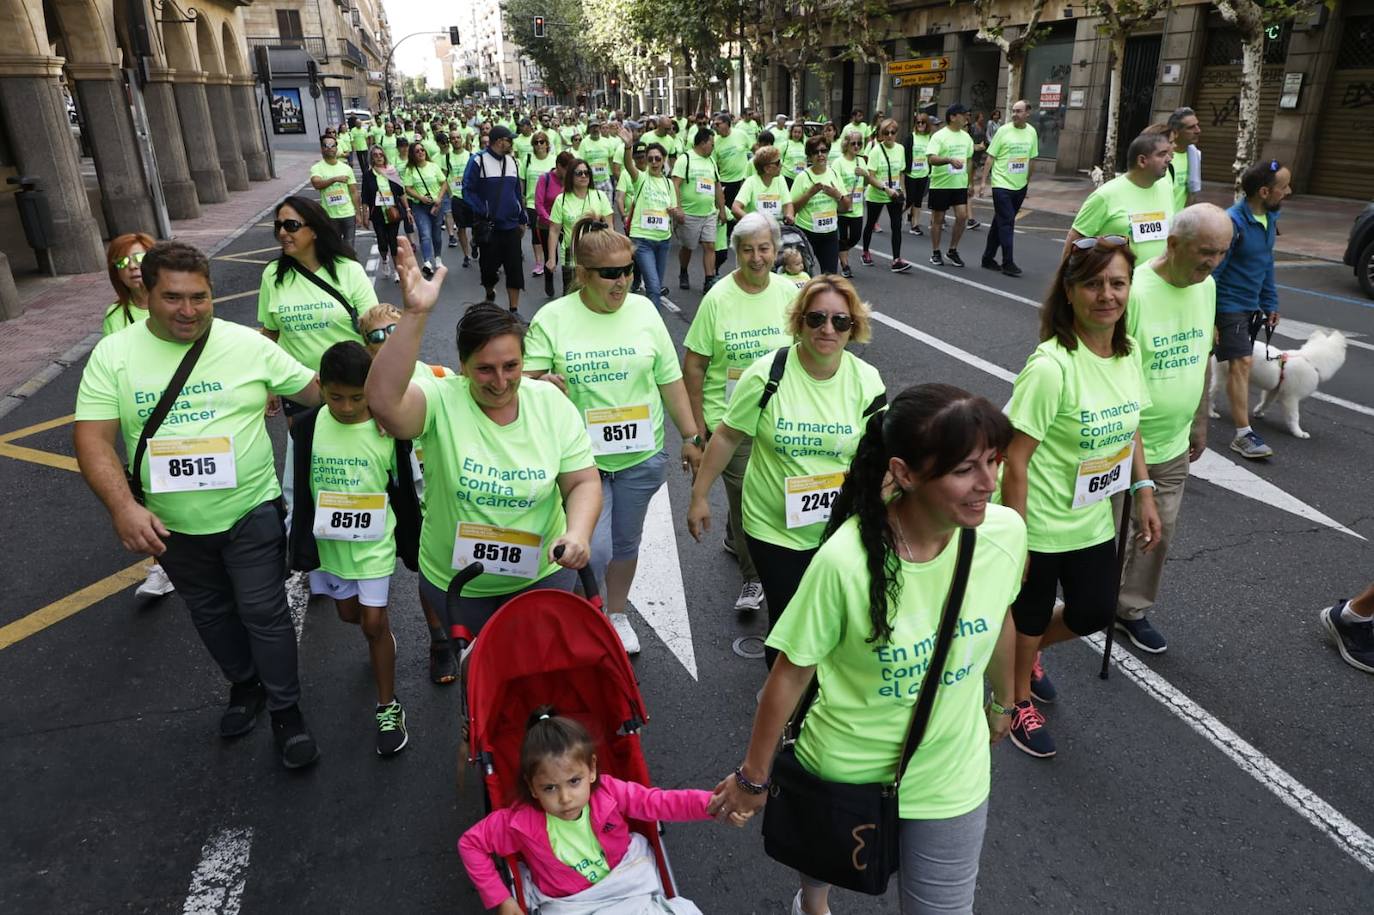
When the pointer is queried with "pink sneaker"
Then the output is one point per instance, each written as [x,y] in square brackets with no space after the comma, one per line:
[538,270]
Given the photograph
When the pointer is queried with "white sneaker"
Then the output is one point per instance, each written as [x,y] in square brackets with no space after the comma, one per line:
[395,276]
[438,262]
[750,596]
[796,905]
[621,622]
[157,584]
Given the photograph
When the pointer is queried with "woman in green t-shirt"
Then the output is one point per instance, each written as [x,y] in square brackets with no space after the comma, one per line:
[428,190]
[792,477]
[1075,407]
[510,481]
[610,351]
[852,167]
[864,623]
[538,161]
[819,197]
[886,163]
[792,148]
[651,209]
[765,192]
[578,199]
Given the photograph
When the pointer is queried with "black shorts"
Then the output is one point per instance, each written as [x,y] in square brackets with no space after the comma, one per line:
[462,213]
[1236,332]
[1088,577]
[916,190]
[945,198]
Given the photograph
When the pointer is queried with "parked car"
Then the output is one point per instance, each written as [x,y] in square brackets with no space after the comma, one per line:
[1359,250]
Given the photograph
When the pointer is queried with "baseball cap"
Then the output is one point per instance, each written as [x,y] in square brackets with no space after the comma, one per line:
[500,133]
[956,108]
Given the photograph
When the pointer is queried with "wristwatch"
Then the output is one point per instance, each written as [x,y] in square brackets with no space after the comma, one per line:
[695,440]
[994,705]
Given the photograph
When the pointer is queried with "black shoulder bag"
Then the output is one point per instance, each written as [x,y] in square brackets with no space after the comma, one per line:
[779,367]
[164,406]
[848,834]
[330,290]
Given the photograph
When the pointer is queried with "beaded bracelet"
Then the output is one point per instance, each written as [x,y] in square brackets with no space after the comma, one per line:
[748,786]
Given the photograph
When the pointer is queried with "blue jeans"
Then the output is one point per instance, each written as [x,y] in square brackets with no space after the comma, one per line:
[625,497]
[1005,205]
[651,257]
[431,230]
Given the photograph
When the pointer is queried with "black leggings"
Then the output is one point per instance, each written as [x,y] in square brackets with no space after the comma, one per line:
[894,218]
[826,247]
[1088,577]
[539,235]
[780,571]
[386,233]
[851,227]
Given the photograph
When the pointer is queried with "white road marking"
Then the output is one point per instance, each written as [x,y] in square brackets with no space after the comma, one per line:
[1301,330]
[1342,402]
[1352,840]
[1308,264]
[657,592]
[218,882]
[1211,467]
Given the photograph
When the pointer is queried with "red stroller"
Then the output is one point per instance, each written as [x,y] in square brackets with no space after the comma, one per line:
[550,647]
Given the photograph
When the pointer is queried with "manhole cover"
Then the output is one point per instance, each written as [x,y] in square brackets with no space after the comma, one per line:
[748,646]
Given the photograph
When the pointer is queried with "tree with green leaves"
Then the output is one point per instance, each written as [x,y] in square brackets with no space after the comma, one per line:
[992,29]
[562,54]
[867,24]
[1120,18]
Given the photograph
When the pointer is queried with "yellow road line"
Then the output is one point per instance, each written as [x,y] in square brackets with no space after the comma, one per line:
[37,428]
[34,456]
[72,604]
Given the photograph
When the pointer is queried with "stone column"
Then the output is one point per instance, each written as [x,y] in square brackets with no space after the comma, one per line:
[124,194]
[250,127]
[10,306]
[165,126]
[35,120]
[226,132]
[198,135]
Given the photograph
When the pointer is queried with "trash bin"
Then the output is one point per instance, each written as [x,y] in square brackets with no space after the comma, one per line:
[35,215]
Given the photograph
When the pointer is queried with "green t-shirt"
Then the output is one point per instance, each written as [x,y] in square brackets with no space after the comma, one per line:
[886,163]
[598,154]
[115,320]
[359,138]
[1012,149]
[920,168]
[1121,207]
[344,143]
[353,460]
[308,319]
[851,173]
[575,844]
[335,198]
[453,164]
[698,189]
[1180,163]
[224,397]
[793,154]
[954,144]
[388,144]
[756,196]
[751,131]
[1079,407]
[478,473]
[731,155]
[647,201]
[426,180]
[732,329]
[821,213]
[522,146]
[431,147]
[810,429]
[1172,328]
[568,208]
[613,365]
[855,731]
[669,143]
[531,168]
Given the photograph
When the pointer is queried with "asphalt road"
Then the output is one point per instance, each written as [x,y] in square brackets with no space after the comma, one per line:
[120,797]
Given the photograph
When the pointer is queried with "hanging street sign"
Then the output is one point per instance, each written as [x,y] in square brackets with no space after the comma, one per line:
[918,79]
[917,65]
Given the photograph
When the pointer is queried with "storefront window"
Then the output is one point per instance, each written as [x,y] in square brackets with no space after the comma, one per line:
[1045,87]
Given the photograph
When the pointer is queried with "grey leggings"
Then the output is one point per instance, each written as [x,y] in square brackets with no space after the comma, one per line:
[939,868]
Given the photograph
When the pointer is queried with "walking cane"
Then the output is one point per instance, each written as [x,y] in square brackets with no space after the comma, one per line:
[1121,539]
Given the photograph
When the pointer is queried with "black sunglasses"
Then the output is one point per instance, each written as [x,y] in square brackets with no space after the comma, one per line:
[841,323]
[821,151]
[655,158]
[582,173]
[290,225]
[614,273]
[380,334]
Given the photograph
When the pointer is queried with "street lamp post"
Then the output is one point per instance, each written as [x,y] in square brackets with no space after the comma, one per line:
[386,65]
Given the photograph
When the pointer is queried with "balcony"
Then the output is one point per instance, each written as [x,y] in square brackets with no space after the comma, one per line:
[350,52]
[370,46]
[313,45]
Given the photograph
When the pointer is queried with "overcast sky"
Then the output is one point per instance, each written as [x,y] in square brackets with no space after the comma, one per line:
[406,16]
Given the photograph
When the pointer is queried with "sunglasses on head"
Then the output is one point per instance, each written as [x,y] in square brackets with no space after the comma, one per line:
[817,319]
[614,273]
[136,258]
[290,225]
[380,334]
[1109,241]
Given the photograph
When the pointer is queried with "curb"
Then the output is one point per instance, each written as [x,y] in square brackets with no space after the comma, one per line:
[15,398]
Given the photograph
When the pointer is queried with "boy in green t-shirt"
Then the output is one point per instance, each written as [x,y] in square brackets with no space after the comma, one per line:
[354,526]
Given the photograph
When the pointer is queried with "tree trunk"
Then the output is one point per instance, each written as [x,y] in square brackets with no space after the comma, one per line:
[884,88]
[795,97]
[1252,76]
[1016,61]
[1113,107]
[757,70]
[827,79]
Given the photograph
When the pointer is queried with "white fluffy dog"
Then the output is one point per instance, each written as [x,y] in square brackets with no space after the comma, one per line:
[1287,376]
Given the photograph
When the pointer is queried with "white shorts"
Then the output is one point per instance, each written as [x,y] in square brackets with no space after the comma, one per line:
[371,592]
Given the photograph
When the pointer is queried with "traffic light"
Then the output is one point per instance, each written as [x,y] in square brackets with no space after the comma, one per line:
[453,35]
[538,26]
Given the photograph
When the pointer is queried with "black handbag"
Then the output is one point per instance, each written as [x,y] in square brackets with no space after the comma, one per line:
[843,834]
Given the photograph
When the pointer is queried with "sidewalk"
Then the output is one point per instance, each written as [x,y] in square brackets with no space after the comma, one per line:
[1315,227]
[61,313]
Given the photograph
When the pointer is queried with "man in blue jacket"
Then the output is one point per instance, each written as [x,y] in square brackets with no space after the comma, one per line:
[491,186]
[1247,299]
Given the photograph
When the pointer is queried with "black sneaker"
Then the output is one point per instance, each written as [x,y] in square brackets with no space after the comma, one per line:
[245,701]
[427,271]
[936,260]
[1040,686]
[846,272]
[1011,270]
[972,223]
[294,743]
[1142,635]
[682,281]
[453,241]
[391,728]
[489,295]
[1029,733]
[467,262]
[1355,641]
[990,263]
[662,290]
[900,266]
[706,286]
[443,668]
[954,257]
[917,230]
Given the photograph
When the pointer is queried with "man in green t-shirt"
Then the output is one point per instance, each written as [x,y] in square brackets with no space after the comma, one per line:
[1170,315]
[1012,150]
[697,183]
[1137,205]
[212,510]
[338,188]
[949,156]
[731,155]
[1185,130]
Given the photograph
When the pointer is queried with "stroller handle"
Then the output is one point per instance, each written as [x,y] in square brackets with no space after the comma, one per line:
[589,589]
[452,619]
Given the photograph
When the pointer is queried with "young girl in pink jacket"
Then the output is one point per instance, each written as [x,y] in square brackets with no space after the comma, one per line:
[570,828]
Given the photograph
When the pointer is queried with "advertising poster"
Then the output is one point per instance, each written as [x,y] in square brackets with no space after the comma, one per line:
[287,116]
